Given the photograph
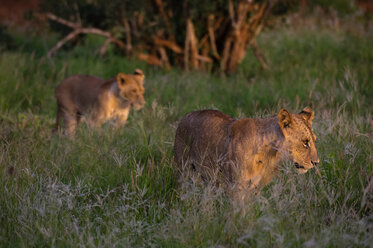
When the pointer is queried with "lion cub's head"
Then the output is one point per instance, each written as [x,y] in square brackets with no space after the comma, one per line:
[131,88]
[299,138]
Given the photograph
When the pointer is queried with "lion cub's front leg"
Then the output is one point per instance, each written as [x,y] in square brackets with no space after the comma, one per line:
[121,116]
[70,123]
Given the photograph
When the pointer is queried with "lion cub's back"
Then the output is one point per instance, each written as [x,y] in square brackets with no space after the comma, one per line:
[78,83]
[200,131]
[78,90]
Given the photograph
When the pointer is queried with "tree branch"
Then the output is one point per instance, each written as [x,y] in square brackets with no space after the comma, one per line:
[80,30]
[258,54]
[169,44]
[62,21]
[62,42]
[165,18]
[150,59]
[211,33]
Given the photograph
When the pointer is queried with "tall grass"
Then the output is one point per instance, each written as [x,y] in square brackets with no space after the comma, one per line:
[118,187]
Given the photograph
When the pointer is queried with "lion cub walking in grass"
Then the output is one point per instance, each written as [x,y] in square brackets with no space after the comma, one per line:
[244,152]
[98,100]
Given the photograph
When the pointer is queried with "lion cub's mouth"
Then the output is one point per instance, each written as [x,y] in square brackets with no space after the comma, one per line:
[300,168]
[137,106]
[303,170]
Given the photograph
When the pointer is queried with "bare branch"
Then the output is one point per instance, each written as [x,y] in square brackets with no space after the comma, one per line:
[62,42]
[231,13]
[95,31]
[190,43]
[164,58]
[77,14]
[165,18]
[62,21]
[258,54]
[150,59]
[103,48]
[204,58]
[212,36]
[128,35]
[80,30]
[169,44]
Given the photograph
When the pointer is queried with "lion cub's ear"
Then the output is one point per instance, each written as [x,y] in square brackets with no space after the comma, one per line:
[121,78]
[139,73]
[307,114]
[284,119]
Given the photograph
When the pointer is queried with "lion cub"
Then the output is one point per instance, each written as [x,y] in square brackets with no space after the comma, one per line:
[98,100]
[244,152]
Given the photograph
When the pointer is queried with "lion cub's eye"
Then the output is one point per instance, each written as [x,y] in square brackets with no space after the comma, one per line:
[306,143]
[133,91]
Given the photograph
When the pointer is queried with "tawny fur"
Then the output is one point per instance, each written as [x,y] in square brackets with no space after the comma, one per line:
[245,152]
[98,100]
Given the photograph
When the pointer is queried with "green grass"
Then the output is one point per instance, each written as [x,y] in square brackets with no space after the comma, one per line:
[118,188]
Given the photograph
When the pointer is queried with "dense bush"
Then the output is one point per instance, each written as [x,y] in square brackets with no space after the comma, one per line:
[189,33]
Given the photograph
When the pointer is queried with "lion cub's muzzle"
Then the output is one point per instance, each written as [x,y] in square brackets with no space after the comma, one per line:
[302,169]
[138,105]
[315,163]
[298,166]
